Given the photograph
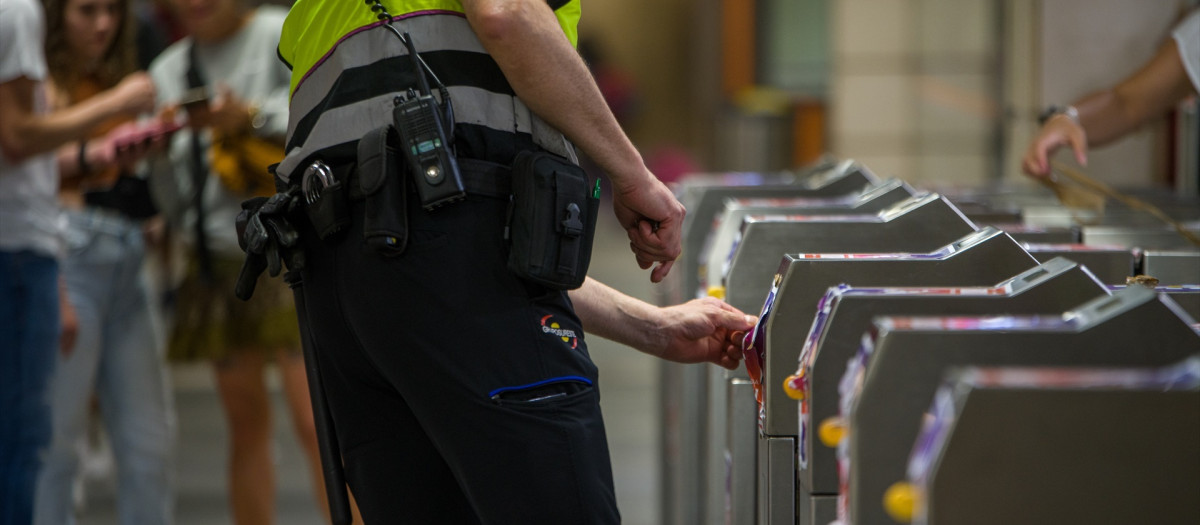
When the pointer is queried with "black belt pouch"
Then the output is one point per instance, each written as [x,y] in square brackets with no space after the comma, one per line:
[382,184]
[553,220]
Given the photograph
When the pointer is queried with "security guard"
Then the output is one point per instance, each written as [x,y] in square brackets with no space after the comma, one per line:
[460,392]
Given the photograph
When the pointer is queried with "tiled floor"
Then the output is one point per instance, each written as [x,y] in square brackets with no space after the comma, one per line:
[629,399]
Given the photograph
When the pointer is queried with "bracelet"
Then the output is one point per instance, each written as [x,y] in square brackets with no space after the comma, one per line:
[1067,111]
[84,168]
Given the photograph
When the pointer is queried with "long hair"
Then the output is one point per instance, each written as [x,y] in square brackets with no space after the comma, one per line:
[118,60]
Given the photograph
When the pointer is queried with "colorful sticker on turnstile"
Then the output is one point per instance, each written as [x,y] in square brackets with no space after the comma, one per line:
[1041,323]
[848,388]
[792,202]
[864,217]
[754,347]
[741,178]
[800,381]
[933,432]
[1053,247]
[1181,376]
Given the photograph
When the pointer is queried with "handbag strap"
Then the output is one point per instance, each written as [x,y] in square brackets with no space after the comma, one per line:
[195,79]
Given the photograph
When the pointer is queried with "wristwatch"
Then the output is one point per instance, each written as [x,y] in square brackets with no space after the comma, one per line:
[257,118]
[1051,111]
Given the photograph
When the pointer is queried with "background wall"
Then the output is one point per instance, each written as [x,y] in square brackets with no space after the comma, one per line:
[1088,44]
[945,91]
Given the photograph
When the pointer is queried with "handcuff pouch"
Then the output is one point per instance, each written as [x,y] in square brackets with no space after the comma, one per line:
[383,186]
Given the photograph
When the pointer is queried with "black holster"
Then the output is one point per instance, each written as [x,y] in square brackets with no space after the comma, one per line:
[553,220]
[381,180]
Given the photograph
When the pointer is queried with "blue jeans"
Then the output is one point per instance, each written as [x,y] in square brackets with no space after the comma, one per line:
[29,328]
[118,354]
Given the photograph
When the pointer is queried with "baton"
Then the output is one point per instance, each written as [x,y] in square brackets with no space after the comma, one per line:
[327,442]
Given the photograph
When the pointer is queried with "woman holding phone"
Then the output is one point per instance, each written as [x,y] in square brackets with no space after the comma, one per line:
[119,348]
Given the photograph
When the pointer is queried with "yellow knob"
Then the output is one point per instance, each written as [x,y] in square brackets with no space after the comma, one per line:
[717,292]
[793,386]
[832,431]
[900,501]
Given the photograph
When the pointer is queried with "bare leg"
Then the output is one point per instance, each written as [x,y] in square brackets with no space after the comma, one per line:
[295,385]
[248,411]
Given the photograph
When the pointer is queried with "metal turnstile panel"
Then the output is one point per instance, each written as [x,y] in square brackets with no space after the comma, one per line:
[1172,266]
[929,217]
[704,196]
[684,388]
[1050,288]
[776,481]
[717,247]
[901,370]
[1040,234]
[1185,296]
[737,507]
[1144,237]
[1097,447]
[815,510]
[979,259]
[1110,264]
[917,225]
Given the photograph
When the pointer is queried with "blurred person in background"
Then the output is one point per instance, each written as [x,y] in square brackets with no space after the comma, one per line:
[225,79]
[31,293]
[118,351]
[1172,75]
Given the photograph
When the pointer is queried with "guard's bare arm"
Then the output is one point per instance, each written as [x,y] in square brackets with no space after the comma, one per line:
[524,38]
[699,331]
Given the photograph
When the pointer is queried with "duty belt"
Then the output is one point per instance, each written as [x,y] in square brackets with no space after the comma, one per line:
[483,178]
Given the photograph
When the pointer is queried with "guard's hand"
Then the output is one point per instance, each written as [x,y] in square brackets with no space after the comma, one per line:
[704,330]
[268,238]
[1059,131]
[653,219]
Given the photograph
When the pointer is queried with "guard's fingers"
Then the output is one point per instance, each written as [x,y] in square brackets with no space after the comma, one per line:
[729,359]
[737,338]
[732,319]
[660,238]
[650,246]
[660,272]
[643,261]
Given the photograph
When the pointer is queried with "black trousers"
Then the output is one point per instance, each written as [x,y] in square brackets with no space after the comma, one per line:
[459,393]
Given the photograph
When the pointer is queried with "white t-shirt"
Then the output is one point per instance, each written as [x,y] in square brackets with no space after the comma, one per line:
[1187,37]
[29,211]
[248,64]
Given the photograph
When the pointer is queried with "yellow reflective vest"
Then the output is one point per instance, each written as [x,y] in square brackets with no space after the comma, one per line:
[347,70]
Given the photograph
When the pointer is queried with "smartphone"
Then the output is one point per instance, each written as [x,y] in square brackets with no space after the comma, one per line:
[147,133]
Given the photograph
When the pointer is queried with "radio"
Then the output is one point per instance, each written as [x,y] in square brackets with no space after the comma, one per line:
[423,139]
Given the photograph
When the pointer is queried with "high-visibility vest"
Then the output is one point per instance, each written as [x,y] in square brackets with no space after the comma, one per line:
[347,70]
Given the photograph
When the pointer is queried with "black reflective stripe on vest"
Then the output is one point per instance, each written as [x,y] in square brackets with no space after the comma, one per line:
[390,75]
[555,4]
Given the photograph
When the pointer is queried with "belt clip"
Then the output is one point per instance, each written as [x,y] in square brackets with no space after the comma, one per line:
[320,171]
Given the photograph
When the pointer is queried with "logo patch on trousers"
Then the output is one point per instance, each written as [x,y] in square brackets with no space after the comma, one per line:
[553,328]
